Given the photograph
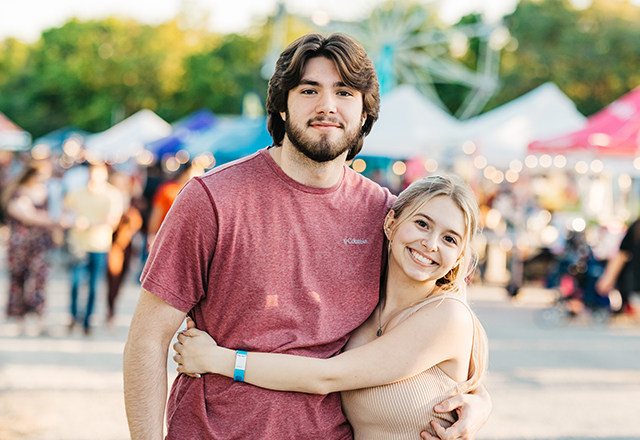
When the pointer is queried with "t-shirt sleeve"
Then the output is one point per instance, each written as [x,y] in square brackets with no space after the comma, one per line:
[177,270]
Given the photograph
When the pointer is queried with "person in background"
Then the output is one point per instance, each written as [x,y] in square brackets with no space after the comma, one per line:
[119,258]
[422,344]
[29,243]
[623,270]
[7,162]
[166,194]
[96,210]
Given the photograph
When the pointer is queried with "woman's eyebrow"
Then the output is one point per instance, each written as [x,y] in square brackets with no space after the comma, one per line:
[430,220]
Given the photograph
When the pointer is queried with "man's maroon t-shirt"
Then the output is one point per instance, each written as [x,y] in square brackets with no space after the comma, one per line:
[264,263]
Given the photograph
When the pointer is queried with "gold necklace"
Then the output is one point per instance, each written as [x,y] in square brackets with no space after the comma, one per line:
[381,326]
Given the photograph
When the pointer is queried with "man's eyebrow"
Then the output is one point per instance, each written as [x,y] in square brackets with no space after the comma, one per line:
[310,82]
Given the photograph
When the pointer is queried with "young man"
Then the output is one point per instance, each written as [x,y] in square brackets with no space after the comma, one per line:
[277,252]
[97,209]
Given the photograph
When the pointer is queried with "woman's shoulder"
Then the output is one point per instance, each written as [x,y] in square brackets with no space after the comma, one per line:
[451,311]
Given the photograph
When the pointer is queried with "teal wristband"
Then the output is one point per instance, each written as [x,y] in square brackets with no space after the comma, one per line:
[241,362]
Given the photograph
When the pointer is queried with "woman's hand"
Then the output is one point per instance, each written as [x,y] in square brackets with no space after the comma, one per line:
[195,352]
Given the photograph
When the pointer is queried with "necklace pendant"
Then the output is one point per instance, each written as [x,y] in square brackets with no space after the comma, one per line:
[379,332]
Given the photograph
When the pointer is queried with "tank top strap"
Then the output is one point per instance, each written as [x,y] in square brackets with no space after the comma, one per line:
[428,301]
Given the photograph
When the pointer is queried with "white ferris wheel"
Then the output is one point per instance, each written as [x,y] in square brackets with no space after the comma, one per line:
[409,46]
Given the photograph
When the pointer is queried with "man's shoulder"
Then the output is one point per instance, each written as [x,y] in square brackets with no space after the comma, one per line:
[237,168]
[229,181]
[361,186]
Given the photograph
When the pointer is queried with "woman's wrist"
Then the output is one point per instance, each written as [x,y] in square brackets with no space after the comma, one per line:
[223,361]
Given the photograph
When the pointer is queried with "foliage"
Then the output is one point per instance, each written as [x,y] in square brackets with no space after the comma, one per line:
[591,54]
[218,79]
[453,95]
[13,55]
[91,74]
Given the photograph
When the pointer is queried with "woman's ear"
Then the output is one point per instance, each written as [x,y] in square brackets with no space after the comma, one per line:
[388,223]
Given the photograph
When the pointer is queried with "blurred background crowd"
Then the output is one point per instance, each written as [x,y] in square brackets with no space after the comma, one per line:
[102,122]
[93,220]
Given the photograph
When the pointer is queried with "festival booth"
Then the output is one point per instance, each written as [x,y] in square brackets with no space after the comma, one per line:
[12,137]
[409,126]
[611,134]
[495,144]
[231,138]
[127,138]
[56,139]
[411,137]
[603,159]
[503,134]
[182,131]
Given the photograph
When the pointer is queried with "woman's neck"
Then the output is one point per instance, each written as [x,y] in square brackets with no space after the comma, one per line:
[403,291]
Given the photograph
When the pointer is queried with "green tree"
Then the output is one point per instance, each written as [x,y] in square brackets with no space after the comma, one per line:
[219,78]
[13,55]
[90,74]
[591,54]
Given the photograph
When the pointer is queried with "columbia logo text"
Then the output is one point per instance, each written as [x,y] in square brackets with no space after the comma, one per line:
[355,241]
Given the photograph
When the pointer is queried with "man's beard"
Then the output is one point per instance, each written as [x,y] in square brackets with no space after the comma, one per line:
[322,150]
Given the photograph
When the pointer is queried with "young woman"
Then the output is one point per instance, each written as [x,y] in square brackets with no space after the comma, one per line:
[29,244]
[420,346]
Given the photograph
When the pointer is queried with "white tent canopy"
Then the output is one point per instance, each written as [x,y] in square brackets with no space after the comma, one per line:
[504,133]
[409,125]
[12,137]
[128,137]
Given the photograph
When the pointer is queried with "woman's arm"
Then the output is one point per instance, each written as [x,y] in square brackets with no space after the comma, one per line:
[436,333]
[22,208]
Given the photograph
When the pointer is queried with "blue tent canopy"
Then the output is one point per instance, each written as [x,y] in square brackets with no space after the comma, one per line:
[182,131]
[231,139]
[57,138]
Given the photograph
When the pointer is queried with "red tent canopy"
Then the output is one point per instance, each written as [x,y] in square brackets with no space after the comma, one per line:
[614,130]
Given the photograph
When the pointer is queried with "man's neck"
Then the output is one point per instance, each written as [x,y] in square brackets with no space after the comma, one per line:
[306,171]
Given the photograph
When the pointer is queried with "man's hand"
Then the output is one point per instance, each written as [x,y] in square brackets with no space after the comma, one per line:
[473,411]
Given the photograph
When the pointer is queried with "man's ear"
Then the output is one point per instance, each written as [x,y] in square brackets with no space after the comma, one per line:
[364,119]
[283,115]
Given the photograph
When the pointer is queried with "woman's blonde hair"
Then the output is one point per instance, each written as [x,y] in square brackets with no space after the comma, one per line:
[408,203]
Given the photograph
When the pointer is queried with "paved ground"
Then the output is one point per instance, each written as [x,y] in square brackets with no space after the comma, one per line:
[579,382]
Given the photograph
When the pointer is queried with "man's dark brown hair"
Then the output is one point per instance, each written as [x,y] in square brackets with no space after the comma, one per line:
[354,67]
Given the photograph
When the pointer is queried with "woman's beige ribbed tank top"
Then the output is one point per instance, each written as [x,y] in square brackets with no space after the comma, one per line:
[401,410]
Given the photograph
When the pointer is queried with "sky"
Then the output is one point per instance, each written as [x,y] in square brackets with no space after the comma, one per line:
[26,19]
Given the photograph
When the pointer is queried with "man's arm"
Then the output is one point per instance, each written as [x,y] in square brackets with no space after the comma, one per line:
[145,365]
[473,412]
